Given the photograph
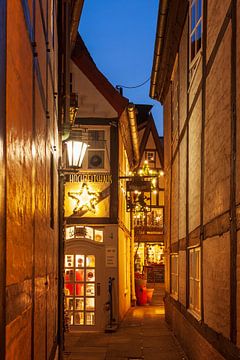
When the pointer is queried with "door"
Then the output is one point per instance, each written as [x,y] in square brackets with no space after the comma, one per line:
[85,288]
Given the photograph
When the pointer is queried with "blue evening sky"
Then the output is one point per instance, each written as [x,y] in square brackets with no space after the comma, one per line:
[120,36]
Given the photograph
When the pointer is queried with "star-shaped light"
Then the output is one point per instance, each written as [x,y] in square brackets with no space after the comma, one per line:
[85,199]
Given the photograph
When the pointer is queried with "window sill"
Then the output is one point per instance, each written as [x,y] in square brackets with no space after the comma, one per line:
[174,296]
[195,314]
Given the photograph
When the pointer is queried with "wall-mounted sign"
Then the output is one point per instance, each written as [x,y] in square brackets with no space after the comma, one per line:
[111,256]
[86,199]
[90,177]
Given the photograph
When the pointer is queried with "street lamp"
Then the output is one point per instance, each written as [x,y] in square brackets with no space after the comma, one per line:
[76,151]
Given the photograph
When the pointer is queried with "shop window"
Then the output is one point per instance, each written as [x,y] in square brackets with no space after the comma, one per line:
[79,289]
[174,275]
[195,32]
[84,232]
[194,281]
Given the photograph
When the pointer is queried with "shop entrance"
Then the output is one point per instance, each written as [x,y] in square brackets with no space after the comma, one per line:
[84,288]
[149,272]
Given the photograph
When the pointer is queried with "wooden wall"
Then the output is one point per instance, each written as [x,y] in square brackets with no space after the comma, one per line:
[31,220]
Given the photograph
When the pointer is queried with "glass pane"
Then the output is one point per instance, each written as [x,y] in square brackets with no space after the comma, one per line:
[69,275]
[90,261]
[199,36]
[95,159]
[90,318]
[69,289]
[69,232]
[191,292]
[69,318]
[90,303]
[90,289]
[79,260]
[89,233]
[79,288]
[80,232]
[193,17]
[190,264]
[79,318]
[79,304]
[69,261]
[90,275]
[95,135]
[69,303]
[192,46]
[79,275]
[199,12]
[98,235]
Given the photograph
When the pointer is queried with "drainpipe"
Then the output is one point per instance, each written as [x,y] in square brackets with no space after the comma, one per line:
[134,134]
[162,16]
[136,158]
[66,71]
[132,272]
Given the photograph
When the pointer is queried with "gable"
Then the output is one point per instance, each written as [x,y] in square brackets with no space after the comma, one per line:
[91,102]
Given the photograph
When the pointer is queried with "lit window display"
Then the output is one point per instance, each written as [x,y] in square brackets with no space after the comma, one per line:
[85,233]
[79,288]
[147,254]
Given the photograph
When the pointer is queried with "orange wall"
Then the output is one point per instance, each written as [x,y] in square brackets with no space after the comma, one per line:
[31,274]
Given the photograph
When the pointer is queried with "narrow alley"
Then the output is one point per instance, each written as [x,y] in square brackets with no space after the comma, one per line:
[119,180]
[143,334]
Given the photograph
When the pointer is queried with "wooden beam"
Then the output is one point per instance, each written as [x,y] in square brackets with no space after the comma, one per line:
[3,50]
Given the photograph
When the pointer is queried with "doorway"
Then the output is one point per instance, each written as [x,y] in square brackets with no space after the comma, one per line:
[84,287]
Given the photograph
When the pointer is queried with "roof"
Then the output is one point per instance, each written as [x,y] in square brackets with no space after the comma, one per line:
[83,60]
[143,112]
[171,19]
[145,119]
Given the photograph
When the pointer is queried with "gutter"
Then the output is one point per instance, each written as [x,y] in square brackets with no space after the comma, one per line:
[75,18]
[131,111]
[158,49]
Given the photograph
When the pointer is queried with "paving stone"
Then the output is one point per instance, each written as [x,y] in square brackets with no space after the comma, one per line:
[143,334]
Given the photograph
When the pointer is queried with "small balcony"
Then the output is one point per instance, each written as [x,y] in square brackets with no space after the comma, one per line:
[149,223]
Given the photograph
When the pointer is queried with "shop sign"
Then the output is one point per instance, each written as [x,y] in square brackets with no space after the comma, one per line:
[86,199]
[90,178]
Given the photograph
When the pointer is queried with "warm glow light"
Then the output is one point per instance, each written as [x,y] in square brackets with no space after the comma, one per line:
[161,172]
[76,151]
[154,182]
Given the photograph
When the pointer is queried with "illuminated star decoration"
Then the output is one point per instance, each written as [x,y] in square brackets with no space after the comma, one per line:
[85,199]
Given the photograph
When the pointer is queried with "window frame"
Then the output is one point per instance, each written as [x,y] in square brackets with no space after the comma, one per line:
[174,293]
[193,62]
[194,276]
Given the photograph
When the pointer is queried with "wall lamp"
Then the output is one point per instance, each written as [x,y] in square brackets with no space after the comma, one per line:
[76,151]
